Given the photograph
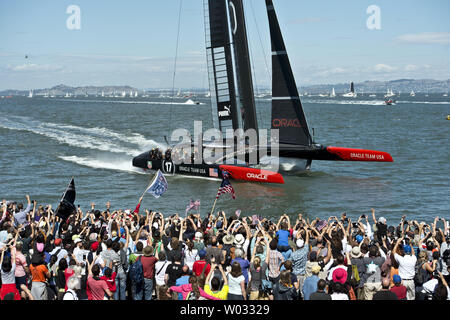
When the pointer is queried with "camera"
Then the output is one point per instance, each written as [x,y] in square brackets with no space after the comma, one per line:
[363,216]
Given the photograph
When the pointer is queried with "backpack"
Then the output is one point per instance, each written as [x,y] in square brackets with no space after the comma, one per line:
[355,273]
[421,275]
[56,253]
[137,272]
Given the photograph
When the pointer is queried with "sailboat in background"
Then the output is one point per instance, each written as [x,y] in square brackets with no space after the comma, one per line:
[389,93]
[233,107]
[30,94]
[412,94]
[333,93]
[352,93]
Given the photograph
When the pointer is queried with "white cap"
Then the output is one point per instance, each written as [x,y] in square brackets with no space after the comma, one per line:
[300,243]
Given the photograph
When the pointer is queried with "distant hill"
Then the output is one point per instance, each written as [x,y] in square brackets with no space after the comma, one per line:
[402,85]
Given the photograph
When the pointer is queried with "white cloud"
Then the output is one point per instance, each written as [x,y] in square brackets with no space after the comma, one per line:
[384,68]
[411,67]
[426,37]
[34,67]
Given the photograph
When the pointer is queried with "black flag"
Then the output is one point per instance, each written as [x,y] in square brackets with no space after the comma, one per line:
[66,207]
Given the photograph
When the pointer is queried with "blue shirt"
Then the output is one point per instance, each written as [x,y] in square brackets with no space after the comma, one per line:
[244,267]
[283,236]
[310,286]
[299,259]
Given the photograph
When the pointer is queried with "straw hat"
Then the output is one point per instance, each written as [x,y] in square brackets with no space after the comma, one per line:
[239,239]
[228,239]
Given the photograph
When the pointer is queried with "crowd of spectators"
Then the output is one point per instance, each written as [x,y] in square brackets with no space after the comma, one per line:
[125,254]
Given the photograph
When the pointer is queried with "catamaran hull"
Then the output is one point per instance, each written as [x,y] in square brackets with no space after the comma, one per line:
[208,171]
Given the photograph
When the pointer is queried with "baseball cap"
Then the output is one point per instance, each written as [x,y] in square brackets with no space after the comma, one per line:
[397,278]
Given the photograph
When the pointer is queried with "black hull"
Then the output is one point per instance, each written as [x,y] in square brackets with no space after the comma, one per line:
[168,167]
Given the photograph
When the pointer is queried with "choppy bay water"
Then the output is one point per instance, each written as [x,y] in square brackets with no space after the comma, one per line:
[46,141]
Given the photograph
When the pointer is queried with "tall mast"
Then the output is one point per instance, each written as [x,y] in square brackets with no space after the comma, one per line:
[242,63]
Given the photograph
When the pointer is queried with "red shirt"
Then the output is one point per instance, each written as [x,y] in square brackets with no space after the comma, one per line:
[400,291]
[148,266]
[198,266]
[110,282]
[67,274]
[97,288]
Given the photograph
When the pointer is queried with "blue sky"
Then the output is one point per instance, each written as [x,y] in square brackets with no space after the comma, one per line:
[133,42]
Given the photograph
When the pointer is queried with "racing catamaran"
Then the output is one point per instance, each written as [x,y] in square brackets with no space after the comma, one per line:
[233,107]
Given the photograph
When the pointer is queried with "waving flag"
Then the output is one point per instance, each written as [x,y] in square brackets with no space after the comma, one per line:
[158,185]
[66,206]
[225,186]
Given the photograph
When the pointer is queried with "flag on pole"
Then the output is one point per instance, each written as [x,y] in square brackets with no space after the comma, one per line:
[158,185]
[225,186]
[66,206]
[193,205]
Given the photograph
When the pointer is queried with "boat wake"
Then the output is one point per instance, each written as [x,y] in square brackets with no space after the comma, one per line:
[108,163]
[130,102]
[96,138]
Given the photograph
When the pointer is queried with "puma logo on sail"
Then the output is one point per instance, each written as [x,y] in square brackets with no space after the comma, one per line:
[226,112]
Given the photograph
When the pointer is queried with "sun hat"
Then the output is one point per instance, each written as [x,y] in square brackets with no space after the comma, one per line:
[93,236]
[239,239]
[198,236]
[75,236]
[382,220]
[356,252]
[340,275]
[315,269]
[300,243]
[228,239]
[40,246]
[397,278]
[77,240]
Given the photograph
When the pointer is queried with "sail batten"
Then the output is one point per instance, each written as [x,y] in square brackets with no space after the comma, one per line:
[220,66]
[287,111]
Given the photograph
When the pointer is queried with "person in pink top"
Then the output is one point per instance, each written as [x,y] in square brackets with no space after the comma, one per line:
[22,269]
[97,287]
[192,291]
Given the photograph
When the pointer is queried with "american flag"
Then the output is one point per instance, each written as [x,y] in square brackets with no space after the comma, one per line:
[225,187]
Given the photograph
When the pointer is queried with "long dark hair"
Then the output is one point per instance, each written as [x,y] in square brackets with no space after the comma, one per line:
[6,265]
[236,269]
[194,281]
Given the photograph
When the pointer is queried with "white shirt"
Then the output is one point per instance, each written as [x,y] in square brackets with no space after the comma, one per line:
[62,253]
[406,266]
[339,296]
[190,257]
[234,284]
[70,295]
[160,273]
